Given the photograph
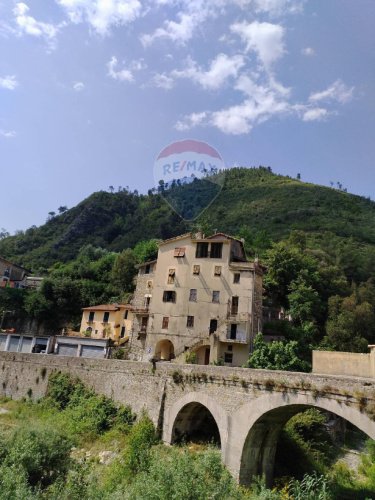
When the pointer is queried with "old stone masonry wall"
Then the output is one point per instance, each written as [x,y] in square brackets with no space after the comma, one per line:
[249,407]
[155,389]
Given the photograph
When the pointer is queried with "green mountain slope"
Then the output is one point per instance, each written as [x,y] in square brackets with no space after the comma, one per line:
[252,200]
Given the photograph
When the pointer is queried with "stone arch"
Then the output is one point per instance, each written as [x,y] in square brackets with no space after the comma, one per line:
[189,406]
[257,426]
[164,350]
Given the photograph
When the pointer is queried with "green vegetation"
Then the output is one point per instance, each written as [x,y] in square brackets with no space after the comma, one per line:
[76,445]
[318,244]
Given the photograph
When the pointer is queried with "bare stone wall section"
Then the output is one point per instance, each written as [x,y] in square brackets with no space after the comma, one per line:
[344,363]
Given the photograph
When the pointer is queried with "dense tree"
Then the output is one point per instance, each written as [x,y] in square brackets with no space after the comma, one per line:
[351,320]
[277,355]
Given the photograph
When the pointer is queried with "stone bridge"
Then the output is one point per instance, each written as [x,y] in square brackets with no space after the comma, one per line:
[244,410]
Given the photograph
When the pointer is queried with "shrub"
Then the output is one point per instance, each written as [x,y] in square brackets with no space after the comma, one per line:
[13,484]
[183,475]
[142,436]
[61,388]
[311,487]
[41,455]
[191,358]
[85,411]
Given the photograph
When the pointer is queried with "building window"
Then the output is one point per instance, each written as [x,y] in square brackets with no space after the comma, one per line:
[169,296]
[236,277]
[213,325]
[190,322]
[234,306]
[196,269]
[91,316]
[230,348]
[233,331]
[179,252]
[217,271]
[106,317]
[193,295]
[216,296]
[122,334]
[202,250]
[216,250]
[228,357]
[165,323]
[144,322]
[148,269]
[171,275]
[126,314]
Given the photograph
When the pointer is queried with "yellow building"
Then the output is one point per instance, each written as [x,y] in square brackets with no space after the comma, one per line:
[113,321]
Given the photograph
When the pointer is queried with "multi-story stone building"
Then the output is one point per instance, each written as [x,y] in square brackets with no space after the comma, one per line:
[200,296]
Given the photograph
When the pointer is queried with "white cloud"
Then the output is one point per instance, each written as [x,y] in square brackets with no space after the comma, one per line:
[338,91]
[162,81]
[124,74]
[265,39]
[102,14]
[8,82]
[78,86]
[28,25]
[7,134]
[279,7]
[192,14]
[262,101]
[308,51]
[315,114]
[191,121]
[178,31]
[221,68]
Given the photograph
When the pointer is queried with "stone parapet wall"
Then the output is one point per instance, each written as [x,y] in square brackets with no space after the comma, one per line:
[344,363]
[141,385]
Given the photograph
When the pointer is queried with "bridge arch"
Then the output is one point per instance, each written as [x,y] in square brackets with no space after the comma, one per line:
[256,427]
[192,412]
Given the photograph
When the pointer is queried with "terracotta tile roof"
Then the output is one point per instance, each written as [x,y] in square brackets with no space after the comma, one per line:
[108,307]
[103,307]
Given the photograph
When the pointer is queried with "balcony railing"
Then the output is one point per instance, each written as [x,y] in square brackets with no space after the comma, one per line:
[228,336]
[141,310]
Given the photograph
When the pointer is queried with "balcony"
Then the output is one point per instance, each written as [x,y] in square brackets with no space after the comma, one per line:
[141,310]
[236,317]
[238,338]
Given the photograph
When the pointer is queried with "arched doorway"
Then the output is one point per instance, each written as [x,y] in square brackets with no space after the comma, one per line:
[203,355]
[195,423]
[164,350]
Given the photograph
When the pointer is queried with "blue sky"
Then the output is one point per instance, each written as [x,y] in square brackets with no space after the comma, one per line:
[92,90]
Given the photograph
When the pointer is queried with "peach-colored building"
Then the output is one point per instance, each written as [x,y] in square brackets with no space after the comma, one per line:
[112,321]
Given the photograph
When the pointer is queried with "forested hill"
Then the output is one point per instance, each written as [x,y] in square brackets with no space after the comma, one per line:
[254,203]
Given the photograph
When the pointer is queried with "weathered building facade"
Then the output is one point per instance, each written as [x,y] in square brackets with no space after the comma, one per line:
[200,296]
[111,321]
